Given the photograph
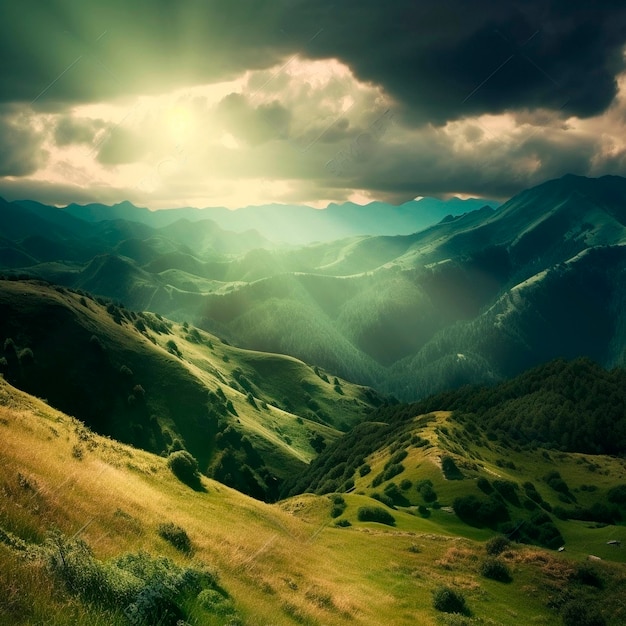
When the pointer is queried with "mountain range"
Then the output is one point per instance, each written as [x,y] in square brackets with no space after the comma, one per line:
[472,297]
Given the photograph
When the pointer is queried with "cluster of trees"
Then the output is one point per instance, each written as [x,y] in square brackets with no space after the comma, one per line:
[574,406]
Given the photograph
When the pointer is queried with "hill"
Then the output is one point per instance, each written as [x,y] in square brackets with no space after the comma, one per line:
[94,531]
[522,457]
[162,386]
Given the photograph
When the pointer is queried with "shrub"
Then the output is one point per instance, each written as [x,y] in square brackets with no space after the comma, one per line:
[364,470]
[215,602]
[149,590]
[554,481]
[580,613]
[449,600]
[172,347]
[473,510]
[617,495]
[393,470]
[375,514]
[384,498]
[176,536]
[251,400]
[450,469]
[26,356]
[507,489]
[343,523]
[425,488]
[396,458]
[484,485]
[496,570]
[184,467]
[338,506]
[588,574]
[497,545]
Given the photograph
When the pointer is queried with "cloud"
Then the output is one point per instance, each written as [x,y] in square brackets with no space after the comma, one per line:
[443,59]
[324,101]
[439,59]
[121,145]
[70,130]
[21,150]
[254,125]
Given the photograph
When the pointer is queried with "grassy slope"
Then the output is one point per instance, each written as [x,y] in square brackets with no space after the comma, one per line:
[491,460]
[57,325]
[282,564]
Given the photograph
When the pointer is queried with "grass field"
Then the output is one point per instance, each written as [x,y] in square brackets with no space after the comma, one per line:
[286,563]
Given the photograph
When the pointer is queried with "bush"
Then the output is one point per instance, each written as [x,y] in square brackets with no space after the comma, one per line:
[484,485]
[448,600]
[215,602]
[149,590]
[338,506]
[617,495]
[343,523]
[480,512]
[375,514]
[554,481]
[496,570]
[588,574]
[450,469]
[580,613]
[184,467]
[497,545]
[507,489]
[393,470]
[26,356]
[384,498]
[406,484]
[364,470]
[176,536]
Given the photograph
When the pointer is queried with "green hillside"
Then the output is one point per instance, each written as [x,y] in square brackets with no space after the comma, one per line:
[144,380]
[528,458]
[96,532]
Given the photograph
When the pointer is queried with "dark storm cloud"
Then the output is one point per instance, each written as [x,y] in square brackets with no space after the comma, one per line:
[431,165]
[447,59]
[440,59]
[67,51]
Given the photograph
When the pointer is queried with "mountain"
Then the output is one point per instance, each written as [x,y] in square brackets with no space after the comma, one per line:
[475,297]
[296,224]
[143,380]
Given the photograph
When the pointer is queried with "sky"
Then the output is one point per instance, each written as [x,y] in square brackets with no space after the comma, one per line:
[247,102]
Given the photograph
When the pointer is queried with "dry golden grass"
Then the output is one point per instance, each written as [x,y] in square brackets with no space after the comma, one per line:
[283,564]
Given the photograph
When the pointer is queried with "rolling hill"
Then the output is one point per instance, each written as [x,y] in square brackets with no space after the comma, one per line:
[539,458]
[95,531]
[162,386]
